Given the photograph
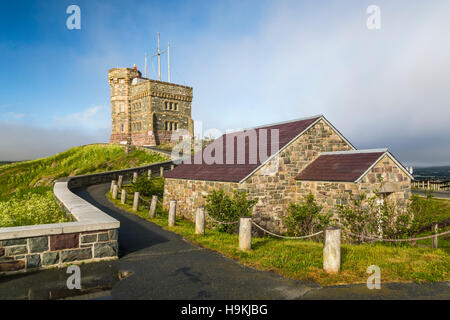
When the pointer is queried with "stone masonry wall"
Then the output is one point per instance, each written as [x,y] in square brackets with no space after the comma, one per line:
[142,120]
[276,192]
[58,250]
[329,194]
[190,194]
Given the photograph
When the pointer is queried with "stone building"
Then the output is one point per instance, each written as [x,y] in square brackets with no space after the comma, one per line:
[311,156]
[146,112]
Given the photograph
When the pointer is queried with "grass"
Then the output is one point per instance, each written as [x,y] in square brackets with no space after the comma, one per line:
[302,260]
[26,195]
[442,213]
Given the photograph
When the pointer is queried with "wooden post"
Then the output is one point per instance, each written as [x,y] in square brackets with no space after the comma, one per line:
[172,212]
[135,176]
[161,171]
[113,182]
[245,234]
[123,196]
[149,173]
[136,201]
[115,191]
[435,239]
[120,182]
[332,250]
[200,221]
[152,212]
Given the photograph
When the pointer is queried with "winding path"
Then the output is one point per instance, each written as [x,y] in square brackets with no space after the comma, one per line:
[164,266]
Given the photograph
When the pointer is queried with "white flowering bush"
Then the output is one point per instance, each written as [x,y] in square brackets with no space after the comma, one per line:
[31,208]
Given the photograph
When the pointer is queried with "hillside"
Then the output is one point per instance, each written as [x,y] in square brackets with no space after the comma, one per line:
[26,195]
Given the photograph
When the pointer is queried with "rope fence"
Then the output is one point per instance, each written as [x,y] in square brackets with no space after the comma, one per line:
[332,235]
[221,222]
[285,237]
[398,240]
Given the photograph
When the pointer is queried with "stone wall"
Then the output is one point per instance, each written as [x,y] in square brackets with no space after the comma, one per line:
[276,192]
[145,114]
[191,194]
[58,250]
[104,177]
[329,194]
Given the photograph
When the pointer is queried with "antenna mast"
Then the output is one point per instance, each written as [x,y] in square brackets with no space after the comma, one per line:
[159,61]
[146,64]
[168,60]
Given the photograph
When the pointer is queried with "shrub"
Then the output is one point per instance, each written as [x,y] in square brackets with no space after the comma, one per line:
[306,217]
[223,208]
[424,211]
[372,216]
[149,187]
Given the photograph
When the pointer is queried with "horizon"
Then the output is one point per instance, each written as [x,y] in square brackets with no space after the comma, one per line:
[257,62]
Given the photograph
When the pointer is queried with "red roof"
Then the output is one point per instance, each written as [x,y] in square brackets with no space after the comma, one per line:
[340,166]
[235,172]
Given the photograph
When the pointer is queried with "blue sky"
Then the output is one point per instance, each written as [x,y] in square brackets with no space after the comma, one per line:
[249,62]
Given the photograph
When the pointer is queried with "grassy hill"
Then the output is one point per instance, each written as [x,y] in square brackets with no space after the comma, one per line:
[26,195]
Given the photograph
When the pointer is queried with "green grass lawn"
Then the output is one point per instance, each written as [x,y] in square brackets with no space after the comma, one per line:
[302,260]
[26,188]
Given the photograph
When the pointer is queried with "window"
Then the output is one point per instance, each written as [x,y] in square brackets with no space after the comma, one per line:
[122,107]
[122,127]
[176,106]
[167,105]
[171,106]
[121,81]
[171,126]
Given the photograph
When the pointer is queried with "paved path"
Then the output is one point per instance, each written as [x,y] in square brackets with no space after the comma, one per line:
[164,266]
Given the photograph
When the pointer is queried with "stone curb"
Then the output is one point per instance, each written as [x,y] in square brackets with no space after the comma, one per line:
[88,218]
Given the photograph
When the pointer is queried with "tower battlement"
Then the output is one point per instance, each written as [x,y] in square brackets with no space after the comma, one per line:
[147,112]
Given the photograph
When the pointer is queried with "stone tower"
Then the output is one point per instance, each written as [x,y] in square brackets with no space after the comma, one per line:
[146,112]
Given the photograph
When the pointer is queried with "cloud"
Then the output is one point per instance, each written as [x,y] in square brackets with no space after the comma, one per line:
[20,141]
[285,60]
[385,87]
[23,140]
[94,118]
[14,115]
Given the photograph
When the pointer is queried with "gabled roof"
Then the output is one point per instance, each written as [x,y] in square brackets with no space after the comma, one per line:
[348,166]
[288,132]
